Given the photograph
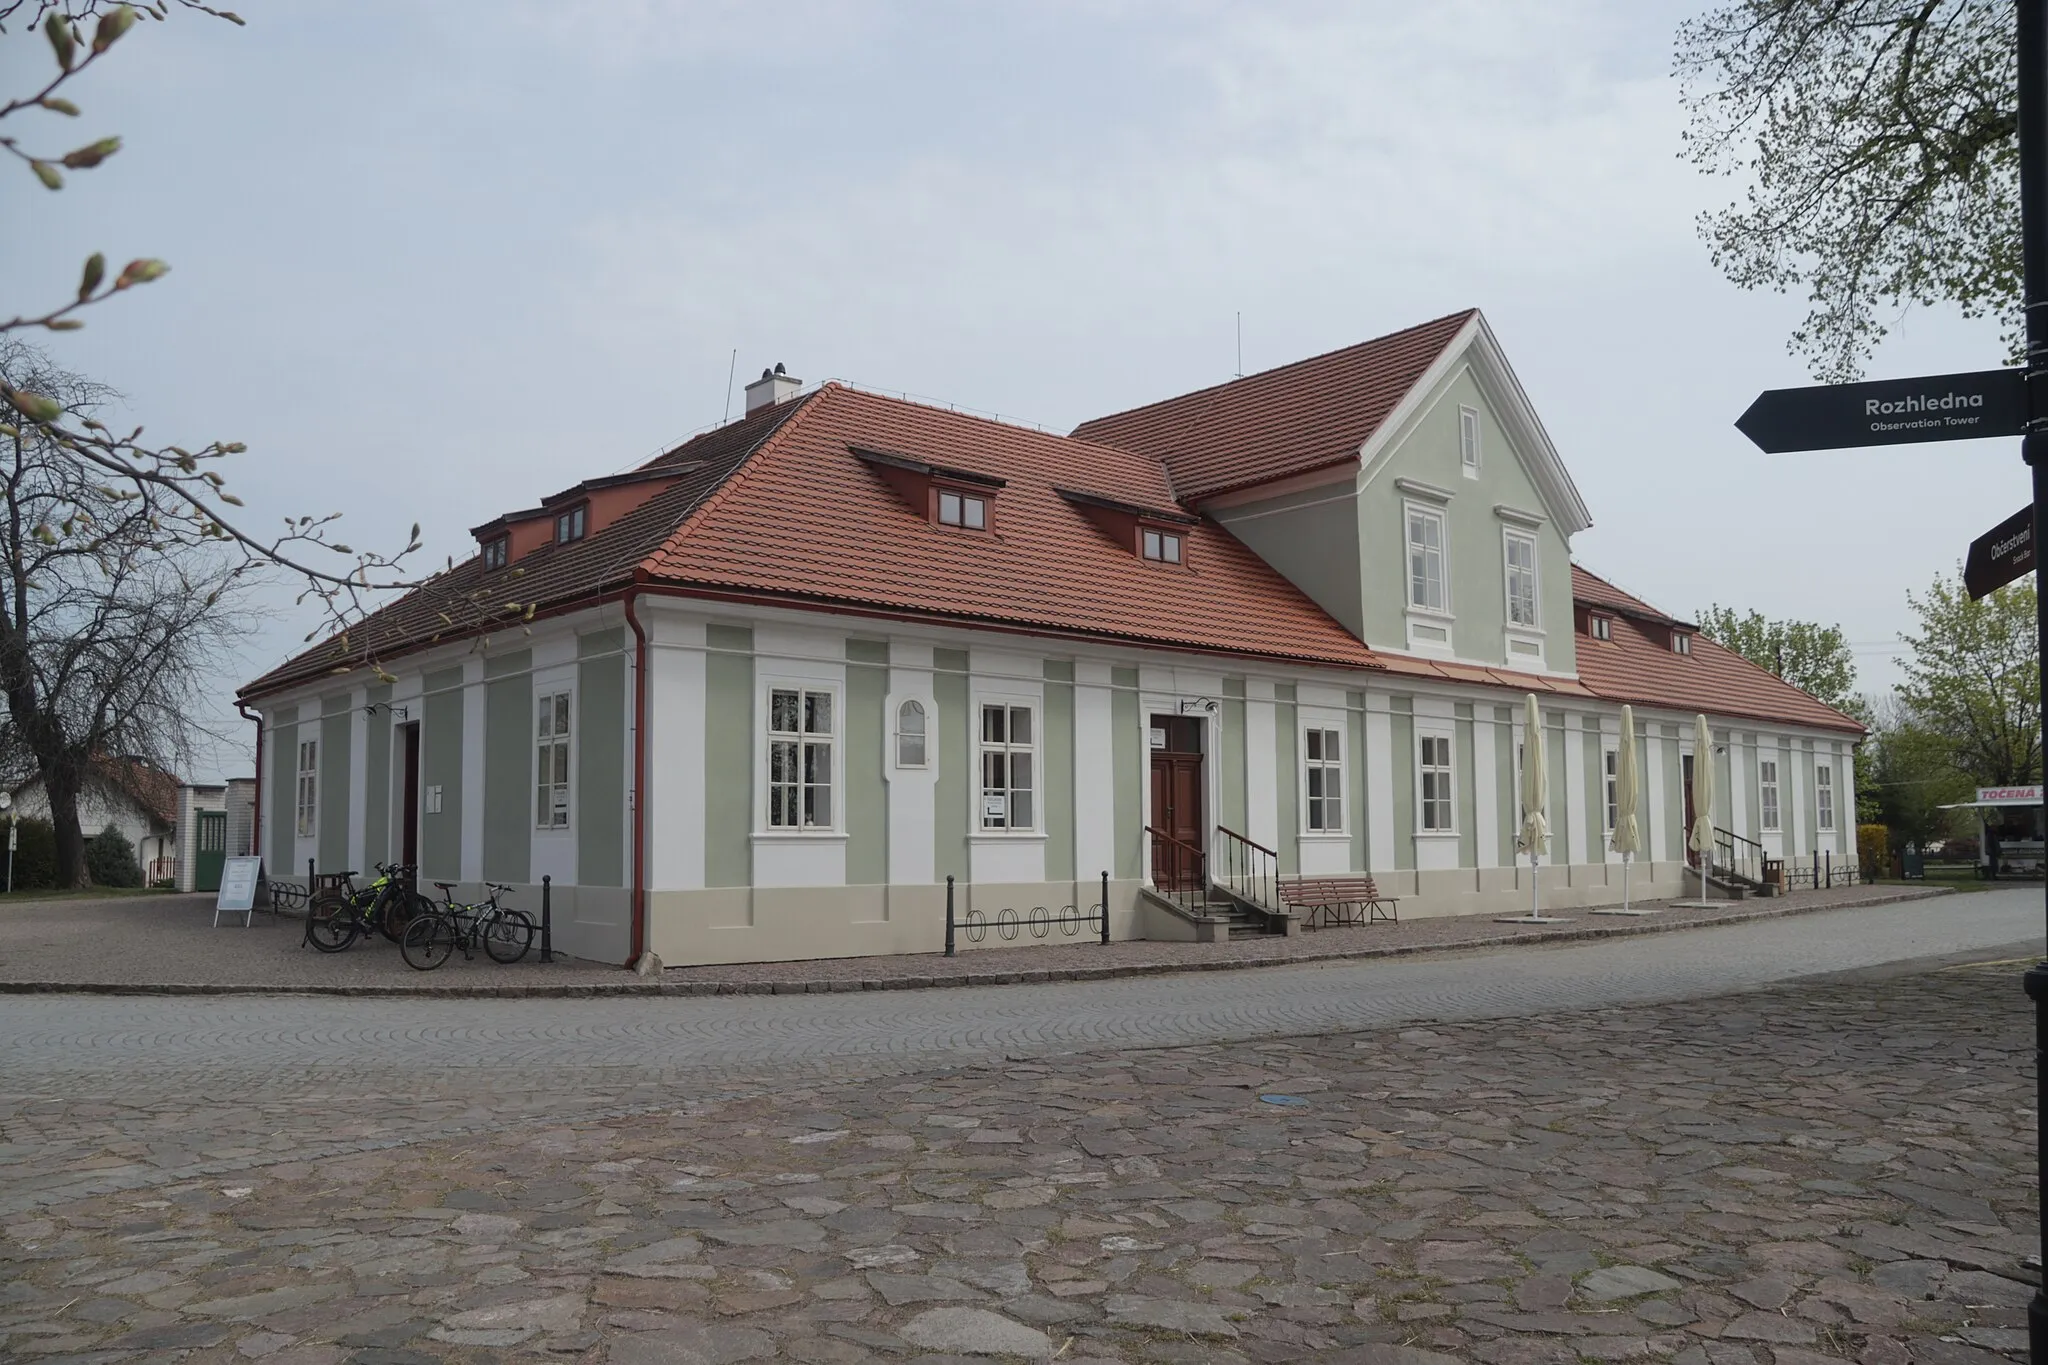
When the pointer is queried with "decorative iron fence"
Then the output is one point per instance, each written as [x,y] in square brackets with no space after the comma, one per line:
[1039,923]
[1822,873]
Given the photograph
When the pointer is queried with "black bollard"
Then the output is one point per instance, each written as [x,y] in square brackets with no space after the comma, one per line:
[1105,907]
[547,918]
[949,917]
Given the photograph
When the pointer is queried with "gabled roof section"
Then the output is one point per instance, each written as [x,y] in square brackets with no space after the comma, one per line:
[467,600]
[810,522]
[652,473]
[1278,423]
[1637,665]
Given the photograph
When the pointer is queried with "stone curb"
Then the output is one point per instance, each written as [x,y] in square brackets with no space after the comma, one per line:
[825,986]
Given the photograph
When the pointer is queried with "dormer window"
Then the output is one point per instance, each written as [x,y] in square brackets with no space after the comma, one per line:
[570,524]
[1600,627]
[1163,546]
[1681,642]
[496,550]
[962,509]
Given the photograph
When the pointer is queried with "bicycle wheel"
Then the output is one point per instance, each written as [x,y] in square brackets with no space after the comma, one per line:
[428,941]
[331,924]
[507,937]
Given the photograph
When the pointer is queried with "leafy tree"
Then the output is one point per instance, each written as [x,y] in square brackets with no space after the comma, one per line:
[110,858]
[1812,657]
[1879,139]
[1973,681]
[1907,773]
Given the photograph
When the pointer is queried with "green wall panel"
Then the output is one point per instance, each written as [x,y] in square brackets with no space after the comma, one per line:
[1230,778]
[601,776]
[867,742]
[334,783]
[1509,796]
[1356,788]
[511,807]
[377,779]
[1595,801]
[953,729]
[728,756]
[1127,761]
[1287,768]
[441,765]
[1563,819]
[1468,788]
[1058,749]
[1674,797]
[1402,725]
[281,800]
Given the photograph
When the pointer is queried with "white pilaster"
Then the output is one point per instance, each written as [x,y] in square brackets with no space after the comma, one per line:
[1261,761]
[675,754]
[1379,783]
[1658,838]
[1095,831]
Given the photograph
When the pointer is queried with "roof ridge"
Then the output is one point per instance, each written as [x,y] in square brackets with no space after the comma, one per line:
[804,404]
[1210,390]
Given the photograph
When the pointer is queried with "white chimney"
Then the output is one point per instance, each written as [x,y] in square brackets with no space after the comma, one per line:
[772,387]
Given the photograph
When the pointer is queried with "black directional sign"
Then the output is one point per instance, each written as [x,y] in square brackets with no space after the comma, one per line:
[1886,412]
[2001,554]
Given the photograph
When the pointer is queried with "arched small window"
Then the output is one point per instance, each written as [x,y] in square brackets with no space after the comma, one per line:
[910,735]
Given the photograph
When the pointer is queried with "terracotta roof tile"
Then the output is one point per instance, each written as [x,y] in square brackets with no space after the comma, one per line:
[1638,665]
[1308,415]
[808,519]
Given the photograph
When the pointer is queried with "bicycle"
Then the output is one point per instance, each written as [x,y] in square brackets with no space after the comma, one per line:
[430,939]
[385,906]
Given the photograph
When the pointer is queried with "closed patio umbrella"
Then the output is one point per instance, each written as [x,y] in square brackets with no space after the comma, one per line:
[1701,836]
[1627,838]
[1534,833]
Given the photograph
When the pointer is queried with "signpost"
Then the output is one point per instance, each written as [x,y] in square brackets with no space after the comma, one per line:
[2001,554]
[1952,407]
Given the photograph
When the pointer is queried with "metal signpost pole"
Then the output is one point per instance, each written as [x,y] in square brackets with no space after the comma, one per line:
[2033,124]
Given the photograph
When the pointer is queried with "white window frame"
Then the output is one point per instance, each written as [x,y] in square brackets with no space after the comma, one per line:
[1509,537]
[1600,627]
[1410,510]
[1681,642]
[1425,739]
[764,756]
[1163,547]
[970,510]
[924,735]
[307,823]
[1610,760]
[1325,767]
[1010,750]
[1770,810]
[552,742]
[1469,452]
[1824,796]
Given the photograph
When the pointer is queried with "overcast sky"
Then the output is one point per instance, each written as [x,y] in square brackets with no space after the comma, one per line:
[433,262]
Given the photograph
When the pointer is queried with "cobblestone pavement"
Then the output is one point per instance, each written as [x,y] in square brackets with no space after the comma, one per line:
[1831,1169]
[169,944]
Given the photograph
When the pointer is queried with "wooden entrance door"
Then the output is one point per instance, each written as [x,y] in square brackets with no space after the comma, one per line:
[1177,788]
[1685,836]
[409,836]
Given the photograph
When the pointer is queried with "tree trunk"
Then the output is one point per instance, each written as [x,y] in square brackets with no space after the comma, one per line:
[62,789]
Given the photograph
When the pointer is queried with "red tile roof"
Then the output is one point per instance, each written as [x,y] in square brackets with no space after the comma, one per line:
[1638,666]
[1301,417]
[809,520]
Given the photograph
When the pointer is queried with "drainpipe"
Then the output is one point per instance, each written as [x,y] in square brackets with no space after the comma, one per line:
[639,940]
[256,814]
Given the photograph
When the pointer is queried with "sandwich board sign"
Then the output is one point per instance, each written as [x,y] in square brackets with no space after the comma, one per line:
[238,879]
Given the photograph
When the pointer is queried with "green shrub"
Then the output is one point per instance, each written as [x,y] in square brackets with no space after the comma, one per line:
[110,859]
[1873,850]
[35,855]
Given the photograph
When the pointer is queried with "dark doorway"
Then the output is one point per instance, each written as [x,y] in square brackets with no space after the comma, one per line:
[1177,802]
[409,803]
[1685,835]
[210,853]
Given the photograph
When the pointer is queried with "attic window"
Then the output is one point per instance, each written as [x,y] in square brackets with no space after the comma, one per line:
[961,509]
[1600,627]
[495,550]
[1163,546]
[570,524]
[1681,642]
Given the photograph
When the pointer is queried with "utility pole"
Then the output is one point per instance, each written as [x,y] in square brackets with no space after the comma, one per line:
[2033,135]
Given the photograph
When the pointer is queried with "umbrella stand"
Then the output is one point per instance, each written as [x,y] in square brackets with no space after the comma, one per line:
[1627,860]
[1535,915]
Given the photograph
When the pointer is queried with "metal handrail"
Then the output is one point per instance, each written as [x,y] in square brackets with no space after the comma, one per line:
[1187,870]
[1248,870]
[1740,858]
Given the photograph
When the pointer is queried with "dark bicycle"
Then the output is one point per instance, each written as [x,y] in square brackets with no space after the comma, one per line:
[386,906]
[433,936]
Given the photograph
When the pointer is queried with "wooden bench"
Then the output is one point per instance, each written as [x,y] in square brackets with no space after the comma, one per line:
[1339,900]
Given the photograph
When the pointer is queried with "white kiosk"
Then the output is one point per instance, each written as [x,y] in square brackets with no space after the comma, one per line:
[2024,855]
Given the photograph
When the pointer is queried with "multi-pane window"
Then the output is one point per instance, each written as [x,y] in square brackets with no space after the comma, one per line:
[1007,754]
[1824,795]
[551,761]
[309,786]
[1324,755]
[1613,804]
[1767,788]
[1600,627]
[1468,440]
[799,758]
[495,550]
[1426,560]
[1521,571]
[570,525]
[1436,783]
[958,509]
[1162,545]
[1681,642]
[910,736]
